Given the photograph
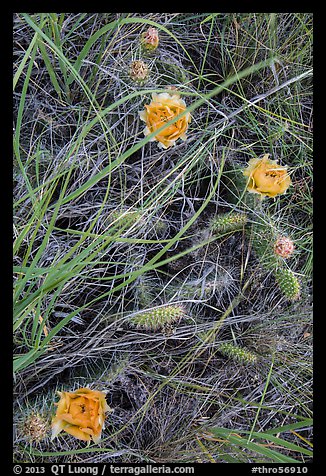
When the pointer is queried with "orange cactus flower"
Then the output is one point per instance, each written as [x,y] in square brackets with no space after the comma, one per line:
[81,414]
[266,177]
[163,108]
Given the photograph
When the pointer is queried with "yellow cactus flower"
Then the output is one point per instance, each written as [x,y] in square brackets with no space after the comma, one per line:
[81,414]
[163,108]
[267,177]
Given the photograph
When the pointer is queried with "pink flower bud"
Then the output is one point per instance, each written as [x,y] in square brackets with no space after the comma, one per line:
[149,39]
[284,246]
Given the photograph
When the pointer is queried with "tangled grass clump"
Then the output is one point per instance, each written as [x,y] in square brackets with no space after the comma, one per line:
[145,269]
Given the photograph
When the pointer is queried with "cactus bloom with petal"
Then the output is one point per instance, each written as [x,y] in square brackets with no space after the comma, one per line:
[163,108]
[81,414]
[267,177]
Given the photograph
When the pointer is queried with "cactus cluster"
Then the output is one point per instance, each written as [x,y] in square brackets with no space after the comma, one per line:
[139,71]
[271,246]
[158,318]
[272,250]
[237,353]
